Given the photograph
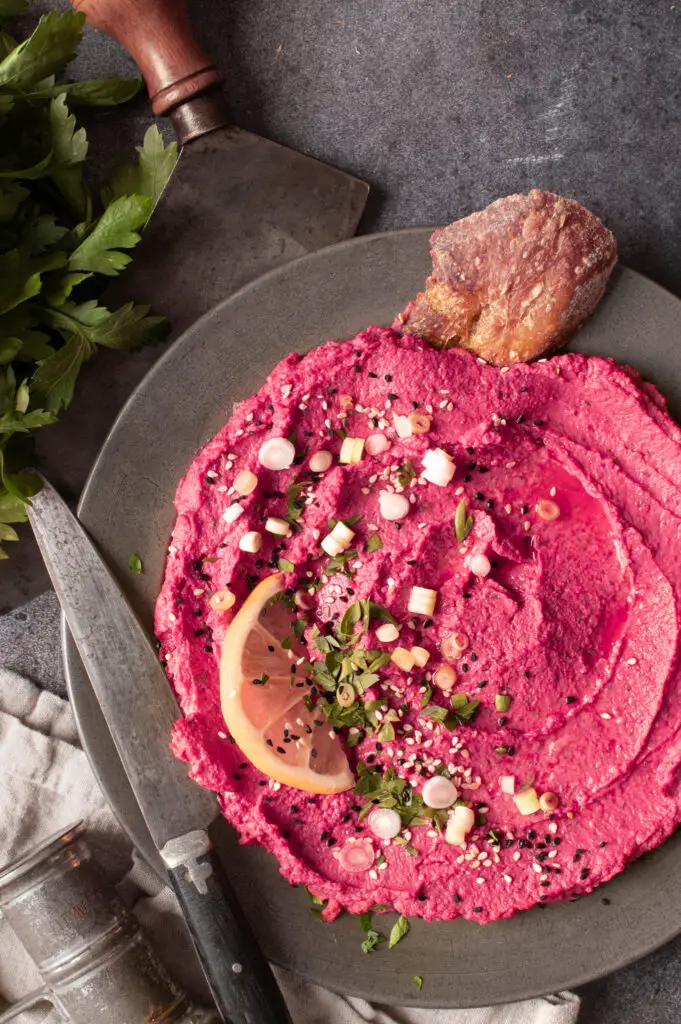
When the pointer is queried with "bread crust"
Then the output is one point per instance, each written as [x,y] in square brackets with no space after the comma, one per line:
[513,282]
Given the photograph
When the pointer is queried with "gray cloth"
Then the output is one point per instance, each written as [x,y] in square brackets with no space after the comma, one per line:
[48,784]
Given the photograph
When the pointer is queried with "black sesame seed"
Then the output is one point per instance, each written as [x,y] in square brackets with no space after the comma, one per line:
[482,685]
[601,845]
[359,828]
[467,478]
[392,396]
[466,595]
[526,674]
[544,885]
[456,898]
[346,817]
[477,910]
[415,405]
[519,419]
[357,352]
[510,751]
[502,721]
[313,752]
[262,782]
[208,649]
[570,700]
[197,612]
[421,897]
[324,836]
[605,901]
[584,874]
[236,776]
[370,374]
[531,834]
[473,656]
[244,764]
[357,369]
[524,510]
[388,377]
[479,496]
[280,750]
[464,667]
[483,469]
[331,841]
[523,390]
[490,503]
[356,807]
[268,799]
[539,423]
[286,834]
[199,632]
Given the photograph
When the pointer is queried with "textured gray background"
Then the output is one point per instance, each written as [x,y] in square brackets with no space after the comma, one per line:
[442,106]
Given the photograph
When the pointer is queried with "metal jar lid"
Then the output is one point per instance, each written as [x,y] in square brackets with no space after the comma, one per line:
[39,855]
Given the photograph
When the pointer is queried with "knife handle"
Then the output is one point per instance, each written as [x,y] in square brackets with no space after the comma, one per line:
[242,983]
[159,37]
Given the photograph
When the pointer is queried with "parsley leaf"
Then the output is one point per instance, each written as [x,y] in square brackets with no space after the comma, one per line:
[285,565]
[372,941]
[135,563]
[365,921]
[149,176]
[374,542]
[116,229]
[418,982]
[399,930]
[463,523]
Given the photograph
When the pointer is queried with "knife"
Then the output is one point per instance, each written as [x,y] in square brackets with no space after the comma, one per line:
[236,205]
[139,708]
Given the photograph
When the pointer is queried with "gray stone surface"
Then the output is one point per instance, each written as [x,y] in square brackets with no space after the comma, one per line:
[441,107]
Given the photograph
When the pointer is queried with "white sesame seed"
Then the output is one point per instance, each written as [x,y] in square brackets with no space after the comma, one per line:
[606,715]
[552,492]
[537,868]
[432,833]
[480,880]
[222,735]
[507,878]
[553,827]
[276,786]
[516,856]
[526,525]
[508,509]
[373,874]
[631,661]
[383,866]
[552,854]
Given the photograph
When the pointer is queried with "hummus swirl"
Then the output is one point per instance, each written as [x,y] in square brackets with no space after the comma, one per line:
[575,623]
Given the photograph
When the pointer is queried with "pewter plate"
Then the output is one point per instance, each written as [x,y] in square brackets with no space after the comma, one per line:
[127,505]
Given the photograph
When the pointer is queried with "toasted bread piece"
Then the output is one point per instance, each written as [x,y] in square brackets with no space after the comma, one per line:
[514,281]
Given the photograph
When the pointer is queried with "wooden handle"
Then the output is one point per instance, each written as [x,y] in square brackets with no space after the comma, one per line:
[158,35]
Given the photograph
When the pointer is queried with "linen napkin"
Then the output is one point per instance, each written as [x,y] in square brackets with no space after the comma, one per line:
[48,784]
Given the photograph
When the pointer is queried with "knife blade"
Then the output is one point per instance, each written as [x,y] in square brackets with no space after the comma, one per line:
[236,205]
[140,709]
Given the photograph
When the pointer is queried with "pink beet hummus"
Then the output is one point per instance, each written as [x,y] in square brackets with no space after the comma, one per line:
[575,623]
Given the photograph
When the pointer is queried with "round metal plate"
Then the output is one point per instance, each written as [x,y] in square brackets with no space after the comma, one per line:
[128,506]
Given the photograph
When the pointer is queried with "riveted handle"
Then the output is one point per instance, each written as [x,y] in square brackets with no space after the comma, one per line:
[158,35]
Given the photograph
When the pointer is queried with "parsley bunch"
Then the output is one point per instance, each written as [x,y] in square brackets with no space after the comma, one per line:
[58,242]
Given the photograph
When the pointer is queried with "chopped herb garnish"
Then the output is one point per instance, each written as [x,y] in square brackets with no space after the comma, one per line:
[135,563]
[374,542]
[501,750]
[285,565]
[286,644]
[372,941]
[399,930]
[339,564]
[352,521]
[426,696]
[407,848]
[463,711]
[418,982]
[502,701]
[463,523]
[261,680]
[406,473]
[365,921]
[294,504]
